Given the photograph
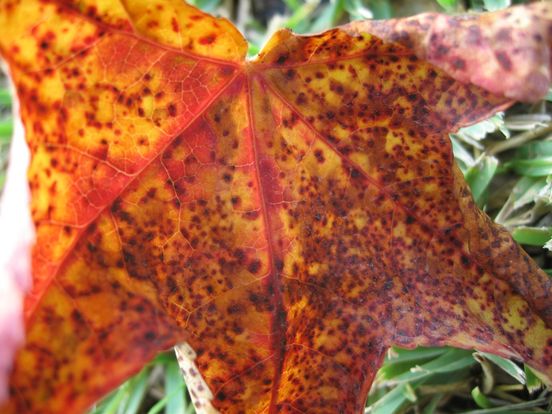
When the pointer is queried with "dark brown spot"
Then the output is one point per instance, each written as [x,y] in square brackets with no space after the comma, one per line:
[319,156]
[281,59]
[459,63]
[504,60]
[172,109]
[254,266]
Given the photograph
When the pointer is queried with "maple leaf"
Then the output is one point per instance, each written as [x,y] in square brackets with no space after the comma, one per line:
[286,219]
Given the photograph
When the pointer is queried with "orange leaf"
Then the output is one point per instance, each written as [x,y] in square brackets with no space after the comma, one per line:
[286,219]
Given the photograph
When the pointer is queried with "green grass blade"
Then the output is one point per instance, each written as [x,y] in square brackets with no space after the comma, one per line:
[532,236]
[293,5]
[535,149]
[381,9]
[538,167]
[480,176]
[493,5]
[158,406]
[6,130]
[100,407]
[5,97]
[480,399]
[512,408]
[461,154]
[507,366]
[175,388]
[329,16]
[433,403]
[162,403]
[253,49]
[448,5]
[113,402]
[357,10]
[526,190]
[393,400]
[137,392]
[533,382]
[297,21]
[413,355]
[208,6]
[452,360]
[403,360]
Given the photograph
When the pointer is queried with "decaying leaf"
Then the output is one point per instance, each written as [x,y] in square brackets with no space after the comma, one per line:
[287,218]
[483,49]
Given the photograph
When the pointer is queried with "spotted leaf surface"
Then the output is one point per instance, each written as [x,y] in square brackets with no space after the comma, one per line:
[286,219]
[506,52]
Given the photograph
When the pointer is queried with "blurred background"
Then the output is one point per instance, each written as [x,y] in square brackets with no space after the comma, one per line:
[507,161]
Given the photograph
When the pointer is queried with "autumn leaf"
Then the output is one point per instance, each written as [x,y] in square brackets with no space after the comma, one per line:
[285,219]
[444,40]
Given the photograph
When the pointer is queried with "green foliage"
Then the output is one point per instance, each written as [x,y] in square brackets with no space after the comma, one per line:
[493,5]
[448,5]
[127,398]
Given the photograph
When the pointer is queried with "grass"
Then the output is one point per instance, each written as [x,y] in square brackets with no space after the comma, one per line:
[507,161]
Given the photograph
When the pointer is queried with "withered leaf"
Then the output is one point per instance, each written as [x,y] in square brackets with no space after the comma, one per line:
[506,52]
[287,218]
